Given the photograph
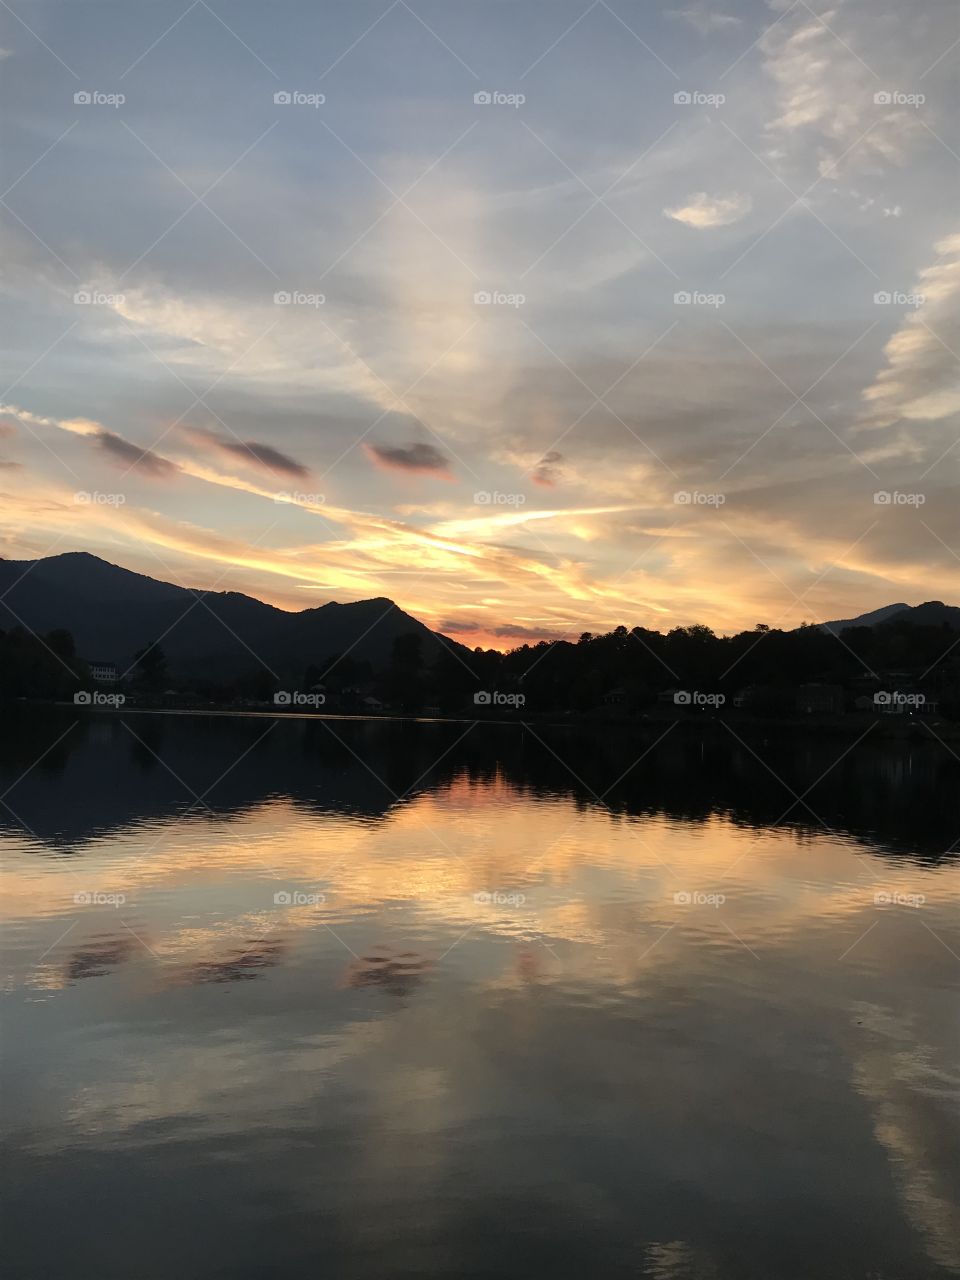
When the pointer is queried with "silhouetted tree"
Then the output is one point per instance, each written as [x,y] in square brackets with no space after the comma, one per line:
[33,666]
[150,668]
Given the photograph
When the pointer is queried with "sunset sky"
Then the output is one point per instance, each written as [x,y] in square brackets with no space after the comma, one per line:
[247,347]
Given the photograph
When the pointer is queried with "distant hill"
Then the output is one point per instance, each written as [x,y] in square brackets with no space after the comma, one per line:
[934,613]
[113,612]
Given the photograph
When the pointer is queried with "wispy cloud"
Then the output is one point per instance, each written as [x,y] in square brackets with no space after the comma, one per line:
[706,22]
[702,211]
[827,86]
[921,380]
[132,457]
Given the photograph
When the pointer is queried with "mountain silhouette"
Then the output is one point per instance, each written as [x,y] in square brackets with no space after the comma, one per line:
[934,613]
[113,612]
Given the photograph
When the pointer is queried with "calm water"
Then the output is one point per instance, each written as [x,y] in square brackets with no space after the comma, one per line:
[382,1000]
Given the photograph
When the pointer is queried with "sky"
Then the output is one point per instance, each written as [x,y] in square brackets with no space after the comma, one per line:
[536,317]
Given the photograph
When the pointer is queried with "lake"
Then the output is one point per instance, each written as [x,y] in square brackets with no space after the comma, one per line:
[378,999]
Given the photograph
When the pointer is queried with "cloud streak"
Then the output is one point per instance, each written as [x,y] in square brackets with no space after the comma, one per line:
[133,456]
[414,459]
[921,380]
[250,452]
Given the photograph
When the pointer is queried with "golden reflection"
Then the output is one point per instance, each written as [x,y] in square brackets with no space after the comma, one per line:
[528,902]
[471,858]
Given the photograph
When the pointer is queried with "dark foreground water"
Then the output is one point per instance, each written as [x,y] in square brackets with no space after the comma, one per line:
[394,1000]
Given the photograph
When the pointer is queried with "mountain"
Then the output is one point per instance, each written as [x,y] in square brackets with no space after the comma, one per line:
[865,619]
[113,612]
[934,613]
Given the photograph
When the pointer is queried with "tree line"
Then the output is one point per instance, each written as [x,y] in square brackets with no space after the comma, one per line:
[632,667]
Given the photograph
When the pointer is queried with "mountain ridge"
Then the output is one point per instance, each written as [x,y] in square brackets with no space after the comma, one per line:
[930,613]
[112,612]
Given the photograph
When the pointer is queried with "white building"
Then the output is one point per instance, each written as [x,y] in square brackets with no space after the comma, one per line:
[104,672]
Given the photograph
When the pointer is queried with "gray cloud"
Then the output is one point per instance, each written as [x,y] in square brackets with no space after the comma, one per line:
[506,631]
[420,458]
[252,452]
[515,631]
[547,472]
[132,455]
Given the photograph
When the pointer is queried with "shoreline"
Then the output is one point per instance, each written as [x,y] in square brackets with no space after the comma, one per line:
[853,726]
